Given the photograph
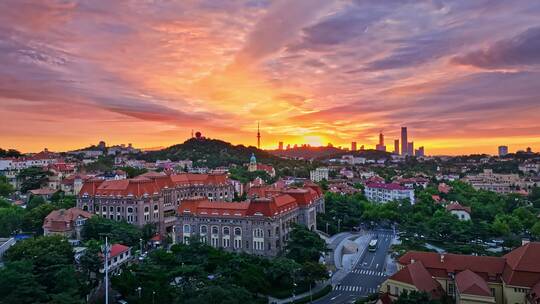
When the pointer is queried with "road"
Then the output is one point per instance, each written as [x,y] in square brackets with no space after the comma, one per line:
[366,276]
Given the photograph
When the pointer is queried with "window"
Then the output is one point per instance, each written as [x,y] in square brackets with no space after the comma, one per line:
[187,229]
[492,292]
[156,208]
[146,209]
[204,229]
[258,233]
[226,242]
[237,231]
[237,243]
[215,230]
[396,289]
[118,209]
[451,289]
[226,231]
[130,210]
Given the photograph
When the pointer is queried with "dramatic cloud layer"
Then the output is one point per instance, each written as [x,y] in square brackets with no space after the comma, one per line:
[462,75]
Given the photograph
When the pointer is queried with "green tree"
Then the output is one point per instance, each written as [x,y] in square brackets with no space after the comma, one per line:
[304,245]
[35,201]
[535,230]
[11,220]
[32,178]
[34,217]
[18,284]
[5,187]
[96,227]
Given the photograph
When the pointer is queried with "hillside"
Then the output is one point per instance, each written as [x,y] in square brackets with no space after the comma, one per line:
[214,153]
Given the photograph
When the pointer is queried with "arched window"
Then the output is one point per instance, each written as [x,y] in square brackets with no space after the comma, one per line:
[204,229]
[215,230]
[155,207]
[226,230]
[130,210]
[237,231]
[258,233]
[146,209]
[187,229]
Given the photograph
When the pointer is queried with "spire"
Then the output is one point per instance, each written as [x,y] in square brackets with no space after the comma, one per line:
[258,136]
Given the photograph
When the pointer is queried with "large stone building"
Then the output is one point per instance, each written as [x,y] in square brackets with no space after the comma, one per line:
[258,226]
[151,197]
[496,182]
[511,279]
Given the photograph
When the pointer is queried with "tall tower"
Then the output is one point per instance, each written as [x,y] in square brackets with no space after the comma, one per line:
[258,136]
[381,146]
[396,146]
[353,146]
[404,142]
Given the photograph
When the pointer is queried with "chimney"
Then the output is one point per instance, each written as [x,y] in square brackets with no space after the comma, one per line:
[442,258]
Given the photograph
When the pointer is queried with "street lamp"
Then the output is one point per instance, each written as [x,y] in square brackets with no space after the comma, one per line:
[139,289]
[153,297]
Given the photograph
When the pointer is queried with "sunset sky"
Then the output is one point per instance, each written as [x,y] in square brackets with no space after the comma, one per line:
[463,76]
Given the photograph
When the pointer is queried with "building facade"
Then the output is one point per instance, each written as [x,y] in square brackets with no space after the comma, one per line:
[383,193]
[68,223]
[319,174]
[151,198]
[496,182]
[259,226]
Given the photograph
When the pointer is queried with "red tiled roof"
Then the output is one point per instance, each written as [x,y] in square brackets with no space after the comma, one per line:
[390,186]
[263,206]
[470,283]
[42,191]
[63,220]
[523,265]
[458,207]
[269,169]
[149,183]
[489,268]
[117,249]
[416,274]
[45,154]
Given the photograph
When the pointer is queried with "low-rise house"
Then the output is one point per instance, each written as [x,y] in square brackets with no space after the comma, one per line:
[119,255]
[46,193]
[68,223]
[463,213]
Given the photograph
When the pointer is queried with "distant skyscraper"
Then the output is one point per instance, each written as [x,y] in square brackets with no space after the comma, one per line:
[353,146]
[419,152]
[381,146]
[529,150]
[396,146]
[288,146]
[404,147]
[280,146]
[503,150]
[410,148]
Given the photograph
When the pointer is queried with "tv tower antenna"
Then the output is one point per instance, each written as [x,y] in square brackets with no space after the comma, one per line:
[258,136]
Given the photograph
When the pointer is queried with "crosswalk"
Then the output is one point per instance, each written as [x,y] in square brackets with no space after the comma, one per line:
[369,272]
[358,289]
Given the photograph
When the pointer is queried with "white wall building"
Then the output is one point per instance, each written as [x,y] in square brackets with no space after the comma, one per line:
[319,174]
[383,193]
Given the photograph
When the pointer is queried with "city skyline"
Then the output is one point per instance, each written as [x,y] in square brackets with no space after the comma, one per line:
[461,75]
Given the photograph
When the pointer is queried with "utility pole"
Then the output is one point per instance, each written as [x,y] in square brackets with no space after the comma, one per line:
[106,254]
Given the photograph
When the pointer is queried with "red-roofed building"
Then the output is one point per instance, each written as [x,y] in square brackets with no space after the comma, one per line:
[415,277]
[118,255]
[513,278]
[462,212]
[151,197]
[64,222]
[258,226]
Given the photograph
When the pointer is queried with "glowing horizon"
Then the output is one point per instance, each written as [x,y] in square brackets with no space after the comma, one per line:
[462,76]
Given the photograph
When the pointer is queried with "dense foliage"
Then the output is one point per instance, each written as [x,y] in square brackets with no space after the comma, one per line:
[41,270]
[32,178]
[198,273]
[96,228]
[9,153]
